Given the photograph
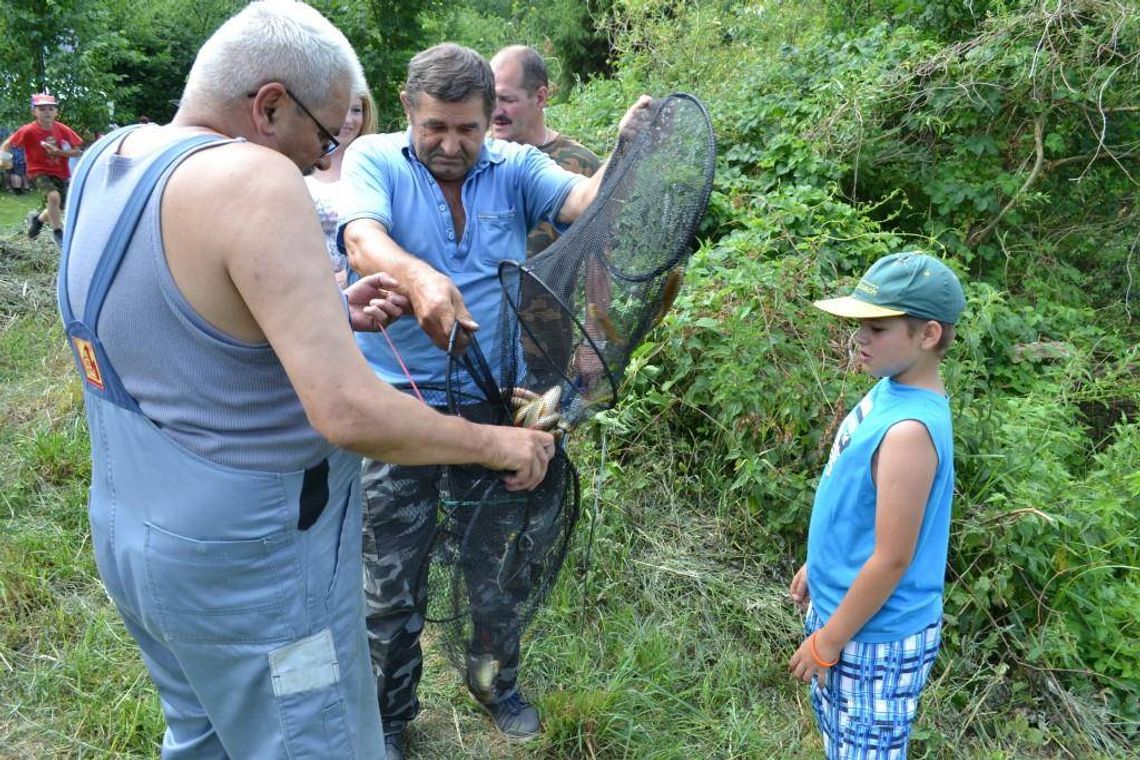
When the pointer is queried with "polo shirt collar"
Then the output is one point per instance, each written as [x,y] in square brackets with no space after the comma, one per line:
[488,153]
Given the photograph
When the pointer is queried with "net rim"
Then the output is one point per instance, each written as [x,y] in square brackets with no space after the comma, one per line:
[566,310]
[611,177]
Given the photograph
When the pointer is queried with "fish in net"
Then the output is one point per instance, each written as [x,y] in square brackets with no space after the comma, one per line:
[570,320]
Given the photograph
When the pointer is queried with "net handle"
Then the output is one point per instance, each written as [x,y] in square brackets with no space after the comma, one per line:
[472,359]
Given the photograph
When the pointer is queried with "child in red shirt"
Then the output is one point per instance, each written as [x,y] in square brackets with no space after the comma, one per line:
[47,144]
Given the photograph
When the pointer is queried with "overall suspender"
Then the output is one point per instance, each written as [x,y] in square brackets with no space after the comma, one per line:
[90,357]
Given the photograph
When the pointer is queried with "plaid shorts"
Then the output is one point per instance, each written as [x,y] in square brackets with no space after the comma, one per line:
[866,707]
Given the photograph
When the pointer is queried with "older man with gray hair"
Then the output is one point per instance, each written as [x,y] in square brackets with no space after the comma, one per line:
[204,321]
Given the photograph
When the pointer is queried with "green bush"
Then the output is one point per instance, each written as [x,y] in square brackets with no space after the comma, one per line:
[856,140]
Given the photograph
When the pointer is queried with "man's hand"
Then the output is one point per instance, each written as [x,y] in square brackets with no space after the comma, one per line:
[373,302]
[523,453]
[438,305]
[642,104]
[798,591]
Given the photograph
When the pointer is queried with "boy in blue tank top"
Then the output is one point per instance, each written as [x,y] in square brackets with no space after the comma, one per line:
[880,523]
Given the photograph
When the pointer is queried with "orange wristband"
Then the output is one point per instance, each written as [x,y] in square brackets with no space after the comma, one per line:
[815,655]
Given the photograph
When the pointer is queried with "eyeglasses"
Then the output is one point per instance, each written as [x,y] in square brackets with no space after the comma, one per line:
[330,143]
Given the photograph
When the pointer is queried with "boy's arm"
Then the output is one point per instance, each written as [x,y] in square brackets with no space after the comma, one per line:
[904,470]
[798,590]
[11,139]
[72,139]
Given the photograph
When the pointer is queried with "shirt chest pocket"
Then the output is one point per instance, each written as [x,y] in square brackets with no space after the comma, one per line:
[499,235]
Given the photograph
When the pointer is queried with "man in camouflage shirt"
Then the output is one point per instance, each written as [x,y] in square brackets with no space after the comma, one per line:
[521,92]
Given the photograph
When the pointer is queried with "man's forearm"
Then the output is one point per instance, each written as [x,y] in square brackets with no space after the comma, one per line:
[371,250]
[399,429]
[581,196]
[432,297]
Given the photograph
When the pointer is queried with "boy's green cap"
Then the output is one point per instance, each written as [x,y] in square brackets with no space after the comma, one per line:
[910,283]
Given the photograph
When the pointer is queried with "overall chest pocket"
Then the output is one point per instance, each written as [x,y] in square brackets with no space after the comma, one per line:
[498,234]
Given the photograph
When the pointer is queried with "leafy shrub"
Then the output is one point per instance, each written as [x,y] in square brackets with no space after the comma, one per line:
[838,146]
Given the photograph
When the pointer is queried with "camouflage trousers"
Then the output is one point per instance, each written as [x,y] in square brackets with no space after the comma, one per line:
[400,514]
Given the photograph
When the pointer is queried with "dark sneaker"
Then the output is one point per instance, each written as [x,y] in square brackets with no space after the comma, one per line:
[57,236]
[32,224]
[514,716]
[394,745]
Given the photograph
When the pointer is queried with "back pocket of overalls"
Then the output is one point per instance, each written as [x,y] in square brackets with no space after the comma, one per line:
[222,592]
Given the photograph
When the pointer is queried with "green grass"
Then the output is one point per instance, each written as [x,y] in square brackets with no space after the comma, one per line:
[13,207]
[675,647]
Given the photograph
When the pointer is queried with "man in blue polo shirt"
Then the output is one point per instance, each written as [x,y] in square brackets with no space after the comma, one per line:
[438,208]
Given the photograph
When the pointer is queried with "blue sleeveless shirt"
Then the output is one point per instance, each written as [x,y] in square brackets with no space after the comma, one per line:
[842,533]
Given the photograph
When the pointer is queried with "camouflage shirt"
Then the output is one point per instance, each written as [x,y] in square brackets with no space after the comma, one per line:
[573,157]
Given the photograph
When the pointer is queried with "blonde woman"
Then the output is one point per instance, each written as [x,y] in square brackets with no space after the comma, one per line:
[324,184]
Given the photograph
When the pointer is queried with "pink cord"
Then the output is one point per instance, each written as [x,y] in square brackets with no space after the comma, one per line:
[403,366]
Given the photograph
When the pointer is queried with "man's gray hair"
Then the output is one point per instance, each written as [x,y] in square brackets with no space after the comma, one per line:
[451,73]
[274,41]
[532,66]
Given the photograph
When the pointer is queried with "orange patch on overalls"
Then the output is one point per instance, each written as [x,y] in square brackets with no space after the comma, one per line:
[86,353]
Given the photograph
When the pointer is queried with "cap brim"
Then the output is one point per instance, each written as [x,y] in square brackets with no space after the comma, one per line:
[855,309]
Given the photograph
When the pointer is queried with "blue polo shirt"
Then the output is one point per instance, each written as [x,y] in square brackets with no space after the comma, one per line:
[510,189]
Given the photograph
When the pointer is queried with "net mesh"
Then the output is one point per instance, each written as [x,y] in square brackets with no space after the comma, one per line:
[580,308]
[570,320]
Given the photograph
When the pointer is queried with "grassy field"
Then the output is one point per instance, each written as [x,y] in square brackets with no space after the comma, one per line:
[14,207]
[676,647]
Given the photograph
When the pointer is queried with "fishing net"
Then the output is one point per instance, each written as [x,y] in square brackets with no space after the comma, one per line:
[571,318]
[580,308]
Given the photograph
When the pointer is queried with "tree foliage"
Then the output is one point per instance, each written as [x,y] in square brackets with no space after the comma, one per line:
[1006,135]
[385,34]
[65,47]
[165,36]
[117,60]
[572,36]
